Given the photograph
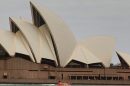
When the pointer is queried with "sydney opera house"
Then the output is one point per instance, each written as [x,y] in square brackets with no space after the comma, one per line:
[46,51]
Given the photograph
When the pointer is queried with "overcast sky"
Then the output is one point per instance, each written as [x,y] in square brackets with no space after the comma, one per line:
[85,18]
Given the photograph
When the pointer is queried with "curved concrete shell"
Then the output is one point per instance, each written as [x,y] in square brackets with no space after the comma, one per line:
[46,46]
[31,35]
[83,55]
[13,44]
[7,40]
[124,57]
[19,45]
[102,47]
[36,39]
[63,40]
[22,46]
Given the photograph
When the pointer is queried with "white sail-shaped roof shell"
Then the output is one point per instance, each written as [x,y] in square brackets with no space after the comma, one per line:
[125,57]
[46,46]
[102,47]
[83,55]
[22,45]
[36,39]
[12,43]
[31,35]
[63,38]
[7,40]
[19,45]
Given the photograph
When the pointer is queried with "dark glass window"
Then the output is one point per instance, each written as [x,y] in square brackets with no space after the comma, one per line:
[85,77]
[103,78]
[76,64]
[51,77]
[109,78]
[73,77]
[129,77]
[96,65]
[121,78]
[14,27]
[19,55]
[97,77]
[37,18]
[79,77]
[91,77]
[48,62]
[115,78]
[5,75]
[3,53]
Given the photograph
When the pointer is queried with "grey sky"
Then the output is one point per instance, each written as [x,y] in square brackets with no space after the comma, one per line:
[85,18]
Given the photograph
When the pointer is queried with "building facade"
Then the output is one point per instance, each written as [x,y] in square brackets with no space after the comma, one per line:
[46,51]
